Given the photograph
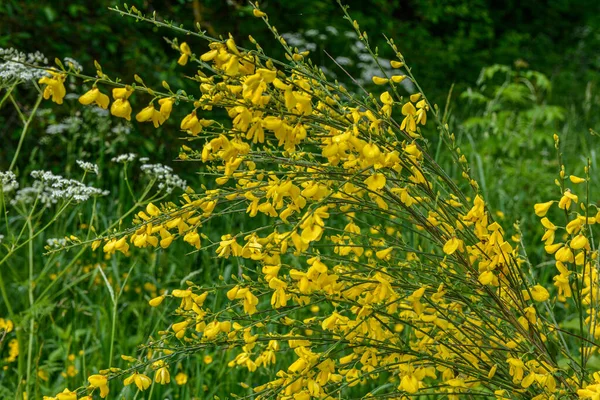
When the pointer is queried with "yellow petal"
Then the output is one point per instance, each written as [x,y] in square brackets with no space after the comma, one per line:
[89,97]
[155,302]
[579,242]
[539,293]
[375,182]
[386,98]
[146,114]
[451,245]
[379,80]
[576,179]
[408,109]
[102,100]
[542,208]
[486,277]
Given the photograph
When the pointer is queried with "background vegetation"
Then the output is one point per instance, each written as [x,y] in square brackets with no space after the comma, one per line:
[509,73]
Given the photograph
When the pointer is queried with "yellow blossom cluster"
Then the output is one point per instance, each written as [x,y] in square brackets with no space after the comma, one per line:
[376,272]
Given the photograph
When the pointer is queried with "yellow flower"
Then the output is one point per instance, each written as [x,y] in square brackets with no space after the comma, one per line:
[185,53]
[452,245]
[151,114]
[207,359]
[43,375]
[6,325]
[258,14]
[409,383]
[192,238]
[375,182]
[155,302]
[100,382]
[121,108]
[181,378]
[166,106]
[486,277]
[576,179]
[162,376]
[386,98]
[542,208]
[371,151]
[379,80]
[589,392]
[122,93]
[396,64]
[179,328]
[409,122]
[564,254]
[141,381]
[66,395]
[565,201]
[539,293]
[55,87]
[579,242]
[145,114]
[95,96]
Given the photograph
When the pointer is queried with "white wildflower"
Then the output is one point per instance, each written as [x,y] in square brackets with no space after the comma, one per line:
[343,60]
[13,68]
[101,112]
[165,177]
[294,39]
[69,124]
[56,243]
[72,96]
[56,129]
[124,158]
[8,182]
[48,189]
[74,64]
[88,166]
[332,30]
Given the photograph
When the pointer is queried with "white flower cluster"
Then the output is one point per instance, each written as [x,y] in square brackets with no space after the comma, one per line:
[124,158]
[167,180]
[8,182]
[100,112]
[71,62]
[13,69]
[56,243]
[69,124]
[48,189]
[297,40]
[120,128]
[1,238]
[88,166]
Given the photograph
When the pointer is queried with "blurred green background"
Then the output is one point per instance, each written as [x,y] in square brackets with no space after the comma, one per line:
[446,41]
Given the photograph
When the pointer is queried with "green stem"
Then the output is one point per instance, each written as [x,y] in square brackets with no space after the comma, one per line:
[7,95]
[24,132]
[112,331]
[31,303]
